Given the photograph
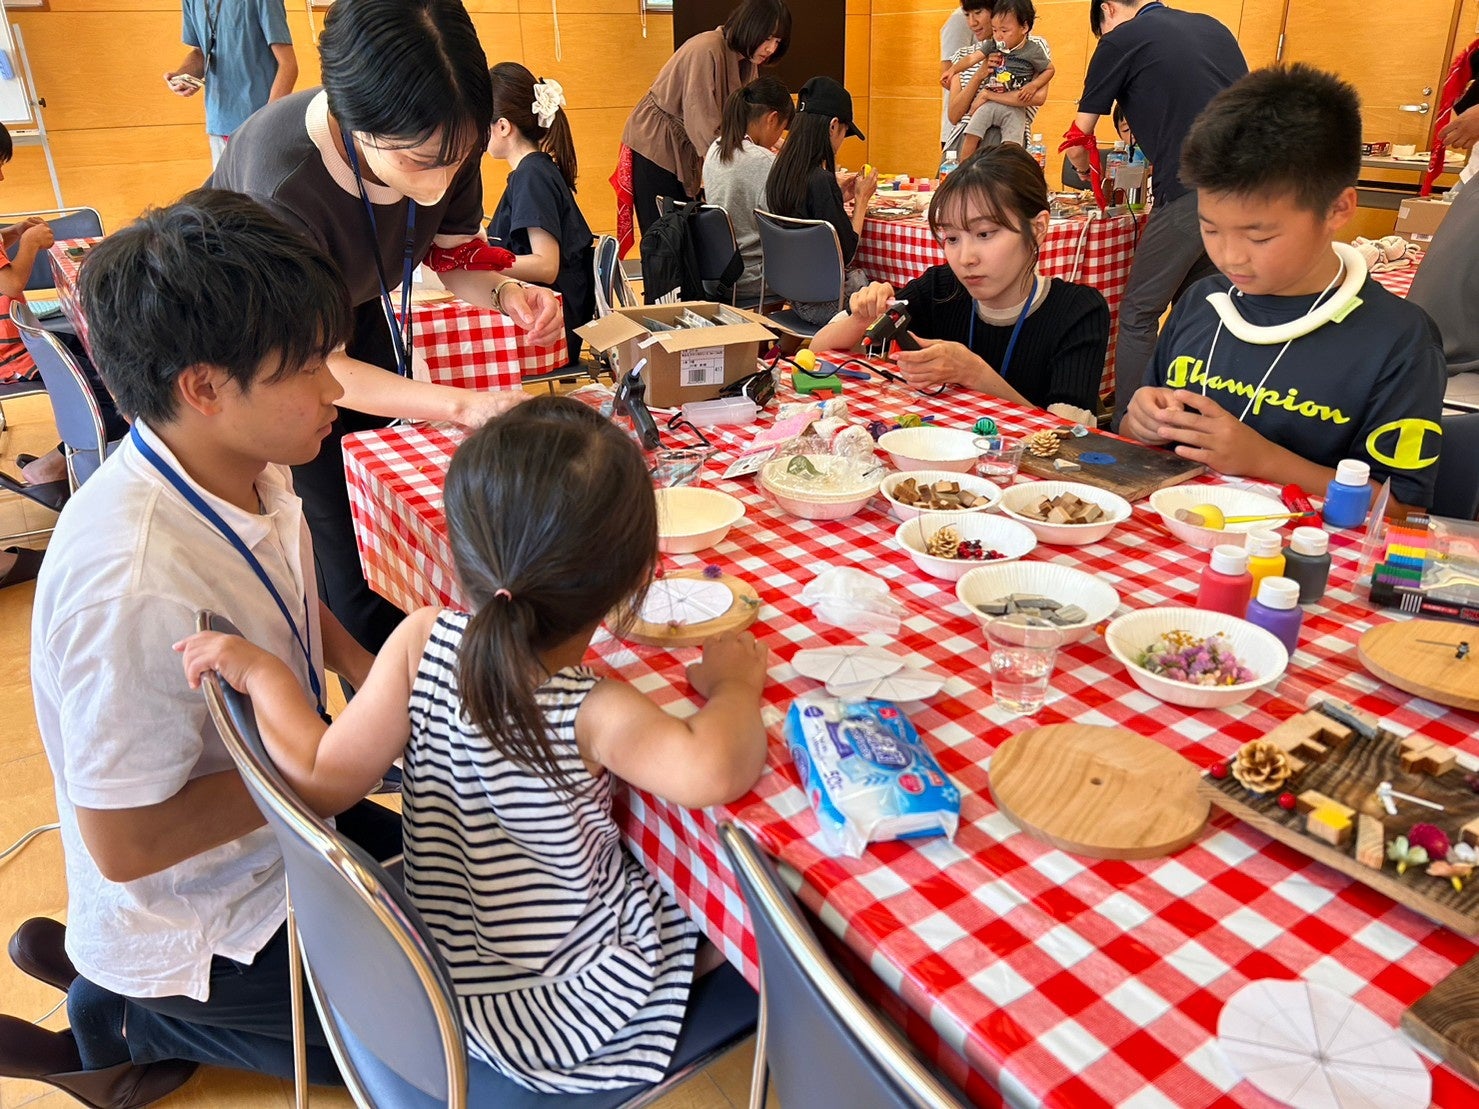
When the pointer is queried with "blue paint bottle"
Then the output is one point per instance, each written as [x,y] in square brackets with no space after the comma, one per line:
[1348,497]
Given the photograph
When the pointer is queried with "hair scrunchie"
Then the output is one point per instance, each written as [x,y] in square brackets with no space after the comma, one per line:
[549,98]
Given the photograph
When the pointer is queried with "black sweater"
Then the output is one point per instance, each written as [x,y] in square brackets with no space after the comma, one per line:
[1059,356]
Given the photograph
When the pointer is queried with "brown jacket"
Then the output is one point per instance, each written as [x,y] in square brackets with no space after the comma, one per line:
[673,125]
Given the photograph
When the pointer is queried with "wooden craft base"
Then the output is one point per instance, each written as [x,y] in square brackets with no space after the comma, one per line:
[1136,472]
[740,615]
[1102,792]
[1393,653]
[1349,775]
[1445,1020]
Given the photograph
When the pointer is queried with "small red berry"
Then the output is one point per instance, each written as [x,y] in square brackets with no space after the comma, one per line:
[1287,801]
[1218,770]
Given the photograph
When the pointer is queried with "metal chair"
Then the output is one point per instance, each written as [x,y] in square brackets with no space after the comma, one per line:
[613,290]
[387,1002]
[802,262]
[719,261]
[78,419]
[819,1040]
[1456,493]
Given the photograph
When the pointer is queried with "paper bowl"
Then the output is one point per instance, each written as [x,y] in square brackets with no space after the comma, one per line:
[997,532]
[968,482]
[1232,502]
[1095,596]
[815,504]
[931,448]
[1116,511]
[1258,650]
[690,518]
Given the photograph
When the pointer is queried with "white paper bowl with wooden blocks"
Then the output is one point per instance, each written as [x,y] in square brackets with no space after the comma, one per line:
[993,533]
[935,486]
[931,448]
[1080,601]
[812,498]
[1066,500]
[691,518]
[1227,500]
[1131,635]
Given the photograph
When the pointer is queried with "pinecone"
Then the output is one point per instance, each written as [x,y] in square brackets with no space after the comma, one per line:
[945,543]
[1043,444]
[1261,767]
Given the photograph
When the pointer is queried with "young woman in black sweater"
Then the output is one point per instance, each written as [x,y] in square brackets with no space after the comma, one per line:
[988,320]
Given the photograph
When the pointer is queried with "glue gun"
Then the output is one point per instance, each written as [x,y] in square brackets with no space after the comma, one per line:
[631,400]
[892,325]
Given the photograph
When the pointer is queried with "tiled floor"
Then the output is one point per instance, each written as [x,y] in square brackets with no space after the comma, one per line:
[32,882]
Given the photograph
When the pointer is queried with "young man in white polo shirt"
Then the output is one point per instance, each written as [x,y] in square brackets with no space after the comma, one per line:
[211,322]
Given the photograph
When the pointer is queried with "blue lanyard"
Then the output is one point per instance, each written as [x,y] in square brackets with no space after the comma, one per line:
[1006,362]
[401,339]
[213,518]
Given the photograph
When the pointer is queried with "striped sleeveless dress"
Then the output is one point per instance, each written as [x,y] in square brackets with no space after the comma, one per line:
[571,965]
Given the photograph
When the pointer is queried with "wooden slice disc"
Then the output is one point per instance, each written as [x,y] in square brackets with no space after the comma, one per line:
[1420,657]
[1102,792]
[743,608]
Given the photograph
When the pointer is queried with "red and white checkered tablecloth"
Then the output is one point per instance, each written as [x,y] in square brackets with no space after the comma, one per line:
[1087,250]
[456,343]
[1399,281]
[1033,976]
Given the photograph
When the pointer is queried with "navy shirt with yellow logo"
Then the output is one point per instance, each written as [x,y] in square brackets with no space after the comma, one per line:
[1369,386]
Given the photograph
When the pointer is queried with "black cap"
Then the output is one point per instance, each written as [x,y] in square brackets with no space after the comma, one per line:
[822,96]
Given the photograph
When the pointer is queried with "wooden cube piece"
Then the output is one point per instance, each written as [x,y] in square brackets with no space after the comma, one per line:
[1371,841]
[1329,824]
[1309,735]
[1469,833]
[1311,799]
[1412,751]
[1437,759]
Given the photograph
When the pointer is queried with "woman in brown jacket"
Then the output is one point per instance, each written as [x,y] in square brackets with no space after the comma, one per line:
[672,126]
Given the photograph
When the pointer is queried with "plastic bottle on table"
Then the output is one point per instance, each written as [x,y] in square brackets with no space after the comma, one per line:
[1265,556]
[1038,151]
[1307,561]
[949,163]
[1226,585]
[1276,609]
[1348,497]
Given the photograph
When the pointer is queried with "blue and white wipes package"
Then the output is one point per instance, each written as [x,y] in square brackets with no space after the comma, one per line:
[867,774]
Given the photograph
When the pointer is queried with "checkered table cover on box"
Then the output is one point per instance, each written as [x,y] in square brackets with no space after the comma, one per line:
[1033,976]
[460,343]
[1399,281]
[1090,251]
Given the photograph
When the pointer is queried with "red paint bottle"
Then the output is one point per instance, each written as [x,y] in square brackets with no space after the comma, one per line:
[1226,583]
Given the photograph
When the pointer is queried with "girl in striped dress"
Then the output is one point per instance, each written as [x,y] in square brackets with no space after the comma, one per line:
[572,966]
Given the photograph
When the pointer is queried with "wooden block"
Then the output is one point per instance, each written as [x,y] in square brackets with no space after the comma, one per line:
[1310,800]
[1443,1019]
[1412,751]
[1371,841]
[1469,833]
[1438,759]
[1329,824]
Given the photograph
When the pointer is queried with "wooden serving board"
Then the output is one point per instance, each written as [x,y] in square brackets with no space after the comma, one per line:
[1136,472]
[1393,652]
[1102,792]
[1445,1020]
[741,613]
[1349,774]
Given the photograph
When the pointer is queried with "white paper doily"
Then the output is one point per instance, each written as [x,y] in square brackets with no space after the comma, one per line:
[857,673]
[1305,1045]
[685,601]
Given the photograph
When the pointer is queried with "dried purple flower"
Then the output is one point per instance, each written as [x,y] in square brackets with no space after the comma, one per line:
[713,571]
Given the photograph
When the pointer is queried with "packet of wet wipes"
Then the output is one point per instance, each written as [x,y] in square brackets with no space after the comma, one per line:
[867,774]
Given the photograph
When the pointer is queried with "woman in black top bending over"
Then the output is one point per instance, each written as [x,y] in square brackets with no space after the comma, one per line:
[988,320]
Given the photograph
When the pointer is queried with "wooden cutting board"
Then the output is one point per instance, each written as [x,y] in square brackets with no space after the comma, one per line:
[1445,1020]
[1418,656]
[743,608]
[1135,473]
[1102,792]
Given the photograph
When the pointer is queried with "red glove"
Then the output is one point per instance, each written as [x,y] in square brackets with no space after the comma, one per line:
[475,254]
[1075,136]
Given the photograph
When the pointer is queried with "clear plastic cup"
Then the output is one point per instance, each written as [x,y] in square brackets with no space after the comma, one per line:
[1023,651]
[1000,457]
[679,466]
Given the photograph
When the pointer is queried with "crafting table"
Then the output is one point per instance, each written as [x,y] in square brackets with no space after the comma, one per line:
[456,343]
[1090,250]
[1399,281]
[1032,976]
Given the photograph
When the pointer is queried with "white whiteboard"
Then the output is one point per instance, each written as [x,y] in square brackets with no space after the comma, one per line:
[15,105]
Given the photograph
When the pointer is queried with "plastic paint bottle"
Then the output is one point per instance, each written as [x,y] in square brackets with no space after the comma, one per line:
[1276,609]
[1348,497]
[1265,556]
[1226,584]
[1307,561]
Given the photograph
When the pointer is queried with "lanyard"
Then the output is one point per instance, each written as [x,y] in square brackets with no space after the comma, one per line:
[212,17]
[213,518]
[402,340]
[1006,361]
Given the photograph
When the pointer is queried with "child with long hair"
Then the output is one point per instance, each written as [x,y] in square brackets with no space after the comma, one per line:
[738,163]
[537,217]
[803,181]
[572,966]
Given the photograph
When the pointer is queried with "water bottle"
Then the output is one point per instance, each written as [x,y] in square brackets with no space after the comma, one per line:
[950,163]
[1038,151]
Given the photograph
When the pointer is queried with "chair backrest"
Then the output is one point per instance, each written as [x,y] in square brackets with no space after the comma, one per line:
[78,418]
[1457,490]
[823,1043]
[1072,179]
[719,259]
[385,997]
[69,223]
[801,258]
[612,288]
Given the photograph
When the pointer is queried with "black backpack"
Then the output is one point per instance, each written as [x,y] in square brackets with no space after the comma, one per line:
[670,260]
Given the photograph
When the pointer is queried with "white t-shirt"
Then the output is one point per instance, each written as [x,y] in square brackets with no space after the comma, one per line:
[128,567]
[955,36]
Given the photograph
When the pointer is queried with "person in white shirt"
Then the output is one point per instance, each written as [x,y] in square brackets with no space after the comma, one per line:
[212,321]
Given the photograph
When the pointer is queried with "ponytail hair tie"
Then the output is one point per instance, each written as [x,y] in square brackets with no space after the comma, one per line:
[504,593]
[549,98]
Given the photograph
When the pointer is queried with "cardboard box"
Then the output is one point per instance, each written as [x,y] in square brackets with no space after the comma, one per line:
[682,366]
[1419,217]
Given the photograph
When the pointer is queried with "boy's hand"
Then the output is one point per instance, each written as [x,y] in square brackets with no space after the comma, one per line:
[231,656]
[38,234]
[178,87]
[1149,409]
[730,657]
[871,301]
[1206,432]
[995,59]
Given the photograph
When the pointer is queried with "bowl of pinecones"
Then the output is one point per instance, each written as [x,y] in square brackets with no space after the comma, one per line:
[947,545]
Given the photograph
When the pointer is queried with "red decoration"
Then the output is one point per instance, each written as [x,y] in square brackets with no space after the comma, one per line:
[1218,770]
[1287,801]
[475,254]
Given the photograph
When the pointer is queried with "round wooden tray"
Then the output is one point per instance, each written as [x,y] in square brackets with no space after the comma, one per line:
[743,609]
